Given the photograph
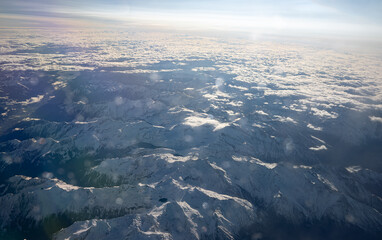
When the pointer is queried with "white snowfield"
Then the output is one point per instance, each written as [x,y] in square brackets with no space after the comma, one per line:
[179,137]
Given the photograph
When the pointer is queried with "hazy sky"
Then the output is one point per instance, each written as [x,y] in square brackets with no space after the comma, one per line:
[349,18]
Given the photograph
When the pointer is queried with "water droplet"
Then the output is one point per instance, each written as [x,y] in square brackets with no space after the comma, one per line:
[70,175]
[188,138]
[219,82]
[42,141]
[118,100]
[119,201]
[154,77]
[226,164]
[91,201]
[61,171]
[48,175]
[350,218]
[257,236]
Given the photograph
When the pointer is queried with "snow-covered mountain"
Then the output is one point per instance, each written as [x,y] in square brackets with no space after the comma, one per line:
[163,136]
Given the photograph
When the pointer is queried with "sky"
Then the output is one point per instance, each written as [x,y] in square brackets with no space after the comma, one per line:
[336,18]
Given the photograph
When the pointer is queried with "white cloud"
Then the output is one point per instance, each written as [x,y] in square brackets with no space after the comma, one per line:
[375,119]
[313,127]
[200,120]
[284,119]
[261,112]
[323,113]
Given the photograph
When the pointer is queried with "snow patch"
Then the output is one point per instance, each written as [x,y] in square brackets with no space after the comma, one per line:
[318,148]
[327,182]
[353,169]
[320,140]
